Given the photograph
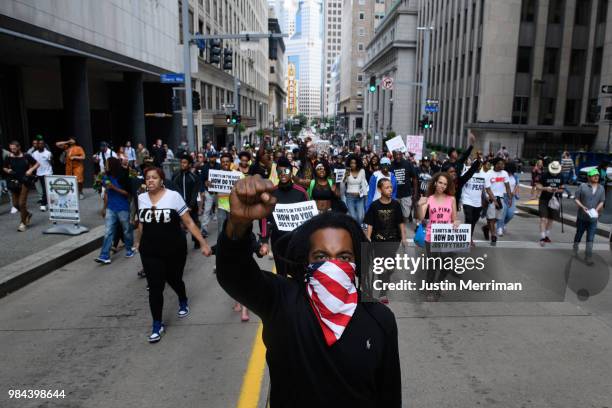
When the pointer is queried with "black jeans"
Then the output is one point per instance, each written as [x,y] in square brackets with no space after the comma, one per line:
[472,214]
[162,269]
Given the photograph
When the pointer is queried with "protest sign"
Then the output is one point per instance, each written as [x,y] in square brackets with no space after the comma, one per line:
[396,144]
[290,216]
[414,144]
[446,238]
[222,181]
[340,175]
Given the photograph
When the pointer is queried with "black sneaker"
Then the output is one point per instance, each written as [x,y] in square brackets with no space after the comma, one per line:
[485,231]
[493,240]
[547,240]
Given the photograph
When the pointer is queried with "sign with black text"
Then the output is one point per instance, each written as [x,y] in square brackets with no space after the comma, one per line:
[447,238]
[290,216]
[340,175]
[222,181]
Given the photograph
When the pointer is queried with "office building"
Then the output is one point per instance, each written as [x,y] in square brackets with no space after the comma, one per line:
[332,21]
[359,20]
[524,74]
[305,54]
[391,58]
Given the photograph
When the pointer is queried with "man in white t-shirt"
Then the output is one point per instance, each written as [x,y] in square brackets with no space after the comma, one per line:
[103,155]
[471,197]
[497,183]
[45,160]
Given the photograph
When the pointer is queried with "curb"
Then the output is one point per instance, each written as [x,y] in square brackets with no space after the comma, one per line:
[567,221]
[25,271]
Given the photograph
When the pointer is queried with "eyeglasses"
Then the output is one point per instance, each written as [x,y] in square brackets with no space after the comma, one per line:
[284,170]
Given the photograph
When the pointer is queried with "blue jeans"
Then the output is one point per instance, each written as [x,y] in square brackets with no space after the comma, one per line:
[566,176]
[590,226]
[508,212]
[112,219]
[356,207]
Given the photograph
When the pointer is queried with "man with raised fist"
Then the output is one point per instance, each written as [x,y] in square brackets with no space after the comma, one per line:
[324,346]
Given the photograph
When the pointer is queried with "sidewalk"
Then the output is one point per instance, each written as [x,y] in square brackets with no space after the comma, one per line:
[26,256]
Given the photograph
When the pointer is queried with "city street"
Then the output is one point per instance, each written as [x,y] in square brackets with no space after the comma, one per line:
[83,328]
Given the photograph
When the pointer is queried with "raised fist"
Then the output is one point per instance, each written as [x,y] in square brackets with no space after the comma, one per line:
[251,199]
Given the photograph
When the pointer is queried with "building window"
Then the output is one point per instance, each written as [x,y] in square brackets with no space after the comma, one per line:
[361,31]
[555,11]
[602,11]
[572,112]
[583,12]
[361,15]
[523,62]
[528,11]
[272,69]
[520,110]
[551,56]
[359,121]
[577,62]
[360,46]
[547,111]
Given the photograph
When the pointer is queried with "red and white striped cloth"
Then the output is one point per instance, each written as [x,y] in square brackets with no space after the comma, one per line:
[333,296]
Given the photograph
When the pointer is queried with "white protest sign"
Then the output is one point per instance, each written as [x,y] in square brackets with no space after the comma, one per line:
[396,144]
[446,238]
[414,144]
[63,198]
[290,216]
[222,181]
[340,175]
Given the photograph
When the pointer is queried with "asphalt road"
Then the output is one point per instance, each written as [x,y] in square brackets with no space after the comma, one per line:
[83,329]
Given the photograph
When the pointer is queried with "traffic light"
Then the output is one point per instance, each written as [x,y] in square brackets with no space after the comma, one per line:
[608,114]
[426,123]
[228,119]
[195,101]
[227,59]
[372,87]
[235,119]
[215,51]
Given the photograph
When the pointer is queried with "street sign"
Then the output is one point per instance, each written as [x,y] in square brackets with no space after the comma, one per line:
[606,89]
[431,105]
[172,78]
[228,106]
[387,83]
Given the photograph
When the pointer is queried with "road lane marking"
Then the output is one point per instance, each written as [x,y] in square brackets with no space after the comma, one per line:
[251,384]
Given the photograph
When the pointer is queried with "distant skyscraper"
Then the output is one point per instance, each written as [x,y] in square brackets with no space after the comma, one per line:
[331,46]
[305,52]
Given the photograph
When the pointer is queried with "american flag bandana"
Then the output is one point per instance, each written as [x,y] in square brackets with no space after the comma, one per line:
[333,296]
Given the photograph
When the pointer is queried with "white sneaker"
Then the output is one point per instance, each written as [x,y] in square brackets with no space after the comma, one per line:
[43,208]
[21,227]
[500,232]
[14,210]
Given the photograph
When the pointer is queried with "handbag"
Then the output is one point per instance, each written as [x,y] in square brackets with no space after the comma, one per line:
[554,203]
[419,236]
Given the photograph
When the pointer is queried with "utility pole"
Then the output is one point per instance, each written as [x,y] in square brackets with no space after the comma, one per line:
[187,72]
[425,73]
[237,107]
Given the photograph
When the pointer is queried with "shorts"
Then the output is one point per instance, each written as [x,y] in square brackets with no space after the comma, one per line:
[494,213]
[547,212]
[406,204]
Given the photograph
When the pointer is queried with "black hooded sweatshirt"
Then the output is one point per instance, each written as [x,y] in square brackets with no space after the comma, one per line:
[361,369]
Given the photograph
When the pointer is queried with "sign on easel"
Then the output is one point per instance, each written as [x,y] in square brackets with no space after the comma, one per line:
[63,205]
